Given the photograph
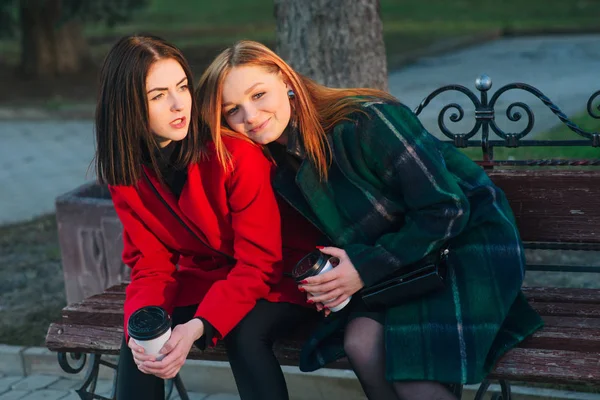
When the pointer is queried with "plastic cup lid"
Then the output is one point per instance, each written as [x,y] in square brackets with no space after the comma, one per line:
[148,323]
[310,265]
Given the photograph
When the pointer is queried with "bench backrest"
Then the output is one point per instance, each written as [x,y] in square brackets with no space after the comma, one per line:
[553,205]
[556,206]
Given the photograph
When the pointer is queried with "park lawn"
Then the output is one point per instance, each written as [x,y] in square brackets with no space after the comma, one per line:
[560,132]
[32,290]
[460,16]
[208,26]
[408,25]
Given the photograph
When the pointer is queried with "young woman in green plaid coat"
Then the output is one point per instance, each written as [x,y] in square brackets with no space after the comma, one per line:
[385,193]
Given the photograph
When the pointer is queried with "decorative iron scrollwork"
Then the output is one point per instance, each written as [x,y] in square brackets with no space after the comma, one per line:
[78,359]
[485,113]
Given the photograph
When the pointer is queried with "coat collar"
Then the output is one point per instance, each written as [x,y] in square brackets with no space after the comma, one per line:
[298,182]
[295,146]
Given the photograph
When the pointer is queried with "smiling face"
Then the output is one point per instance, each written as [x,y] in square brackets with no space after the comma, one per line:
[169,101]
[255,103]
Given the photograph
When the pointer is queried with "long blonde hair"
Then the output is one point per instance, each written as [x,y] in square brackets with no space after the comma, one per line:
[317,108]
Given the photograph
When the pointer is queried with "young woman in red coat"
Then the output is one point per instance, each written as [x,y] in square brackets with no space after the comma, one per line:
[203,242]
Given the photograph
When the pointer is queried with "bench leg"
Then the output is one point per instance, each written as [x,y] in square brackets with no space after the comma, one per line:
[456,390]
[504,387]
[181,390]
[88,388]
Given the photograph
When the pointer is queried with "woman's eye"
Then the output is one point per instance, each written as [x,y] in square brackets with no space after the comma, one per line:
[231,111]
[183,88]
[158,96]
[259,95]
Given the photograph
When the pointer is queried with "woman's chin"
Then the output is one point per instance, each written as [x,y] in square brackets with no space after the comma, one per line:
[265,138]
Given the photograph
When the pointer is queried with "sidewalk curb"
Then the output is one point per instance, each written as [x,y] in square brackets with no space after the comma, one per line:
[11,360]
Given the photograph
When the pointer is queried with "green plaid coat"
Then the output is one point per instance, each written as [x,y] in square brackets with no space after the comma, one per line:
[394,194]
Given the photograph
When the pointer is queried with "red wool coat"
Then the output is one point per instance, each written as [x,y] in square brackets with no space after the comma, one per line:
[235,213]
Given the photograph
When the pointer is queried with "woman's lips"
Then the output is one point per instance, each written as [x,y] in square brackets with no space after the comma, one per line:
[179,123]
[260,127]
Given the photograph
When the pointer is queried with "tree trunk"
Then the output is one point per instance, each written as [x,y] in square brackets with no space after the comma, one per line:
[49,47]
[338,43]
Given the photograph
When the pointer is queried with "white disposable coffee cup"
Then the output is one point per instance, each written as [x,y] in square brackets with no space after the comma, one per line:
[150,327]
[317,263]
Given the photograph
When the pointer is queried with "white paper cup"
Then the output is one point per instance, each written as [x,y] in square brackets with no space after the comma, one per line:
[317,263]
[153,346]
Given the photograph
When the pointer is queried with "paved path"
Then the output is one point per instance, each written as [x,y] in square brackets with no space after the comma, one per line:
[50,387]
[41,160]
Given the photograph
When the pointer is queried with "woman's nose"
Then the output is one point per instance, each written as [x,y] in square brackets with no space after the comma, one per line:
[177,102]
[250,114]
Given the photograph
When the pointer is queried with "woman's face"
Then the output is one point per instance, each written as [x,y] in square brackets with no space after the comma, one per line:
[256,103]
[169,101]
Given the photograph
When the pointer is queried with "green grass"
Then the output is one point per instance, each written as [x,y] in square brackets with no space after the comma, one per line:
[411,23]
[406,16]
[560,132]
[32,291]
[408,24]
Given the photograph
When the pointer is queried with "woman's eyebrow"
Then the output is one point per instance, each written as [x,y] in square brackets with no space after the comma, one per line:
[161,89]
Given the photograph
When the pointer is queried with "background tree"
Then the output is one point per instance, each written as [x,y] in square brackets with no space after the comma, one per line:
[51,31]
[338,43]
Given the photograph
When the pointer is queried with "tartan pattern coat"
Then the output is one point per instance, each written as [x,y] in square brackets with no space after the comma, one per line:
[394,194]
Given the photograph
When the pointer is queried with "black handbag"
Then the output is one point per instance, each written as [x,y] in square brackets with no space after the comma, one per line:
[412,281]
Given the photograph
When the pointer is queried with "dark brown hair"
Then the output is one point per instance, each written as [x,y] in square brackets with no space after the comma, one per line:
[122,133]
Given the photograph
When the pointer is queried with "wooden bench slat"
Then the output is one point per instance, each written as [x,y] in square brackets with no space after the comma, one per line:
[564,338]
[571,322]
[93,314]
[535,365]
[105,314]
[118,288]
[107,309]
[108,298]
[102,340]
[562,295]
[567,309]
[553,205]
[537,294]
[78,336]
[116,295]
[84,338]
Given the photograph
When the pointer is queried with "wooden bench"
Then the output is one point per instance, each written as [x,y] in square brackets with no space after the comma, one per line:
[555,209]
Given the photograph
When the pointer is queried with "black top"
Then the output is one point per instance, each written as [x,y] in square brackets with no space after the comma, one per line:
[174,178]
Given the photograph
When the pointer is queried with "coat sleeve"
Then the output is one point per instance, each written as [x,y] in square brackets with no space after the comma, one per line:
[257,241]
[152,263]
[407,160]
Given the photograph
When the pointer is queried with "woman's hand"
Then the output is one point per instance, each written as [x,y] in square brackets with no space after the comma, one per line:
[176,350]
[335,286]
[138,354]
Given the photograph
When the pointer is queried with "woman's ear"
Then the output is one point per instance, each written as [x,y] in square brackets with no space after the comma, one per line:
[284,80]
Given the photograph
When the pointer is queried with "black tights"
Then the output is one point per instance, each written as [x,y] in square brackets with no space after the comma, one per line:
[364,346]
[257,372]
